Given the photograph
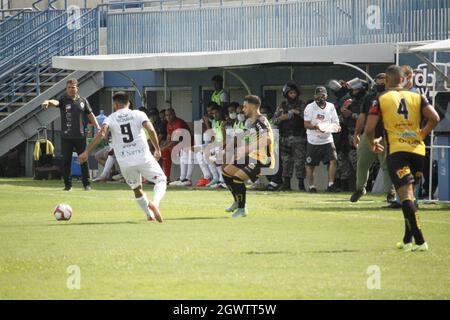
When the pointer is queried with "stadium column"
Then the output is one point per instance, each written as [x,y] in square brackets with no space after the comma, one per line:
[196,102]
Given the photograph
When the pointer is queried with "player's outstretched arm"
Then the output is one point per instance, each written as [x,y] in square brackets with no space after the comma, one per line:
[432,120]
[153,138]
[82,158]
[50,103]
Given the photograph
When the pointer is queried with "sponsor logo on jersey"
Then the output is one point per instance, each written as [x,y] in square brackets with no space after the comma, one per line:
[401,173]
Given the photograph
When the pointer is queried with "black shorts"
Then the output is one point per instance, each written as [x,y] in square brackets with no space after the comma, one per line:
[317,153]
[251,167]
[404,167]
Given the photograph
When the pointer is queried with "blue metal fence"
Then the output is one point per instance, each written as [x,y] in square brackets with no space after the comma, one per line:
[277,25]
[29,56]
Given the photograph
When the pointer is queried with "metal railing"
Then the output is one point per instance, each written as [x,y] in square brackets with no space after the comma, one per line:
[10,18]
[276,25]
[21,74]
[20,37]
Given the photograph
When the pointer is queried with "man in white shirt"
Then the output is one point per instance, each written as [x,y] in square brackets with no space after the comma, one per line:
[321,120]
[133,153]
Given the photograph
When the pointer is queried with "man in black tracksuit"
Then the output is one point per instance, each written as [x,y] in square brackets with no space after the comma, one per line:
[289,119]
[73,110]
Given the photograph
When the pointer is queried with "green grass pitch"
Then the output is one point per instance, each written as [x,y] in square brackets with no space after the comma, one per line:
[291,246]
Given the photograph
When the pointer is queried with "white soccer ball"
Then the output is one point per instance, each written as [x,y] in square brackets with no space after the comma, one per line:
[62,212]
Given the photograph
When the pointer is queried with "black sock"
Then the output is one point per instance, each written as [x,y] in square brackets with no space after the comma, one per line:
[410,213]
[229,182]
[407,238]
[241,191]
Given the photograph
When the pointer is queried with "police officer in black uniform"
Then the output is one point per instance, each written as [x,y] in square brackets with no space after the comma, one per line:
[73,110]
[289,119]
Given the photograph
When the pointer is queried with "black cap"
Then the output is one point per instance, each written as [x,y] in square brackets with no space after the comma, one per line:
[320,90]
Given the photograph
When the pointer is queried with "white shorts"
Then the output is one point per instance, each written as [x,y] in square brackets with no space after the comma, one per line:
[150,170]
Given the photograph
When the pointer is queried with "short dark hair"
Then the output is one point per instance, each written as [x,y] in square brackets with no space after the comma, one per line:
[234,104]
[121,97]
[170,110]
[72,81]
[212,104]
[394,73]
[253,100]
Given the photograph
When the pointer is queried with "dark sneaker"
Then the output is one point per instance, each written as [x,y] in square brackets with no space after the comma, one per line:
[271,187]
[313,190]
[390,196]
[393,205]
[333,188]
[87,188]
[357,195]
[67,188]
[301,185]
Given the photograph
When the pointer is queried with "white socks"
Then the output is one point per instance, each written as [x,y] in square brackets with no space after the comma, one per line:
[219,170]
[110,161]
[186,165]
[203,166]
[143,203]
[159,191]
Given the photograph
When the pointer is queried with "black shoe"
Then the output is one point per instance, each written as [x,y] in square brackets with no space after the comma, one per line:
[286,186]
[333,188]
[390,198]
[313,190]
[301,185]
[357,195]
[393,205]
[87,188]
[67,188]
[271,187]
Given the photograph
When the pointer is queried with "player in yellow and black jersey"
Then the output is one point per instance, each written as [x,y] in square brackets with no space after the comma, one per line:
[402,112]
[255,154]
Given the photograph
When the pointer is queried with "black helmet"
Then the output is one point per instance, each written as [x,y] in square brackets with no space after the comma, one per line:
[289,86]
[334,85]
[357,83]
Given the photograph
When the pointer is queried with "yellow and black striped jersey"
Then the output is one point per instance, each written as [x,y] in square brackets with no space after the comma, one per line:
[401,112]
[264,154]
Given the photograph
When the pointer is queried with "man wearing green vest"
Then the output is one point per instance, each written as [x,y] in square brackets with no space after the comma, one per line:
[219,96]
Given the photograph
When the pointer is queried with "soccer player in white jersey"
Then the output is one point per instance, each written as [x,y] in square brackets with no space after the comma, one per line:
[133,153]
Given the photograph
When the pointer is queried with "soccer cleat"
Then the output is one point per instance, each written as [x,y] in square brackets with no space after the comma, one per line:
[232,208]
[393,205]
[117,177]
[212,182]
[420,248]
[357,195]
[240,213]
[407,247]
[100,179]
[87,188]
[333,188]
[67,188]
[216,185]
[390,197]
[313,190]
[203,182]
[272,187]
[175,183]
[156,213]
[185,183]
